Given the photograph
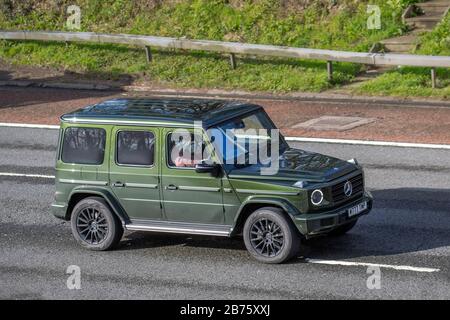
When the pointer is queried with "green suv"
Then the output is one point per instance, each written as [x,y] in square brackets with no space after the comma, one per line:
[194,166]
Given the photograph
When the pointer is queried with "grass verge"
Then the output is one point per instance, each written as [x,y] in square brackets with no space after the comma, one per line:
[315,24]
[408,81]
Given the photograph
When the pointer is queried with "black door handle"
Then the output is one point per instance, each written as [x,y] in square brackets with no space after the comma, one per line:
[118,184]
[171,187]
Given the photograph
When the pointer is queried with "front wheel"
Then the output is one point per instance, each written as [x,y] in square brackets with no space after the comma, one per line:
[94,225]
[270,237]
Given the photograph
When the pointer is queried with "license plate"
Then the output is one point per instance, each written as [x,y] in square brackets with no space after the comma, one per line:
[357,209]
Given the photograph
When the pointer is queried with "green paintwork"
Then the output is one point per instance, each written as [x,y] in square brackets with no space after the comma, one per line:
[140,194]
[199,197]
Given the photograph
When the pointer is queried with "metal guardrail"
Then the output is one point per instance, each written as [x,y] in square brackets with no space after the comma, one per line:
[234,48]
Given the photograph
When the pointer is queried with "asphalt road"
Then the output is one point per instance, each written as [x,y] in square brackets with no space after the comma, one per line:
[409,226]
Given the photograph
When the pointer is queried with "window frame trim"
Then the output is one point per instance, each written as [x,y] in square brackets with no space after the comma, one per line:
[166,144]
[61,151]
[116,149]
[167,154]
[60,144]
[166,149]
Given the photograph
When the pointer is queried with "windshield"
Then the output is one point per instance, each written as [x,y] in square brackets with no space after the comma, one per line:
[247,140]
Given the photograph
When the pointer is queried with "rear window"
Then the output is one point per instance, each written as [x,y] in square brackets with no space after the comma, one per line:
[84,145]
[135,148]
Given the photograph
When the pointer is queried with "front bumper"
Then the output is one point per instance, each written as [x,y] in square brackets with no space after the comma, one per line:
[311,225]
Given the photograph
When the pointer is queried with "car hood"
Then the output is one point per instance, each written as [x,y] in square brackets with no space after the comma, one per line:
[296,164]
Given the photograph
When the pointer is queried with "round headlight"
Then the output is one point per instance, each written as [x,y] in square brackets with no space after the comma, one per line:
[316,197]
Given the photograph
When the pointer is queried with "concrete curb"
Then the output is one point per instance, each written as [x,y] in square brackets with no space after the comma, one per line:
[236,94]
[57,85]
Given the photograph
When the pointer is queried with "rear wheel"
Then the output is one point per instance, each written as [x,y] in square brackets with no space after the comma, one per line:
[94,225]
[341,230]
[270,237]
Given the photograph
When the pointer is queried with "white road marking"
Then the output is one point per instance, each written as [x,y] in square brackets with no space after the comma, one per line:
[10,174]
[371,143]
[293,139]
[28,125]
[364,264]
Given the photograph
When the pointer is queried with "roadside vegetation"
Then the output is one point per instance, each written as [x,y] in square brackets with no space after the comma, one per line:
[409,81]
[340,25]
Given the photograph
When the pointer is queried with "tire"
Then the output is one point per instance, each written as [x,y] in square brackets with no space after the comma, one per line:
[94,225]
[270,237]
[341,230]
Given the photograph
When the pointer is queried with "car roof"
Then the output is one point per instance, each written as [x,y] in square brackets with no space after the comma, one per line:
[161,111]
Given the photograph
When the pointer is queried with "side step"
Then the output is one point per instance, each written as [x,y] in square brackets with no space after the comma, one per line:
[179,227]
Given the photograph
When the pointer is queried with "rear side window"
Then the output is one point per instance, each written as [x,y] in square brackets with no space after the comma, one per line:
[84,145]
[135,148]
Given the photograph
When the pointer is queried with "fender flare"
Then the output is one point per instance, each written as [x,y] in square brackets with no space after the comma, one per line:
[282,203]
[118,210]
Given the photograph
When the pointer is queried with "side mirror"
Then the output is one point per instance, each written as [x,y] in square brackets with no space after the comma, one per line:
[353,161]
[214,169]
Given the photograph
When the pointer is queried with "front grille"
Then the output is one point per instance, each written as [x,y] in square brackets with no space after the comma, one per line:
[337,191]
